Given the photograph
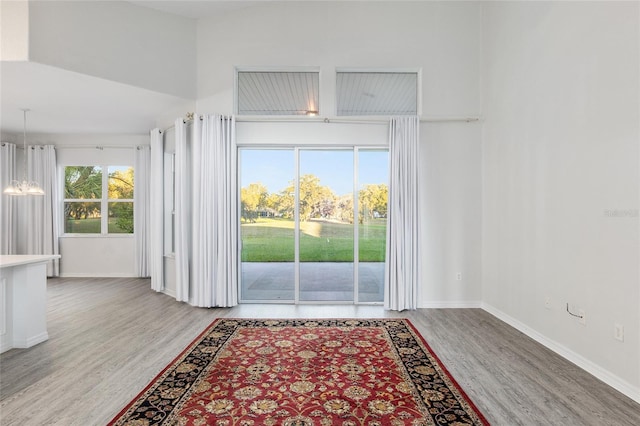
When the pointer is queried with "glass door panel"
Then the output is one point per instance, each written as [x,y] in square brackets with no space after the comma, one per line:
[267,225]
[373,194]
[325,208]
[297,226]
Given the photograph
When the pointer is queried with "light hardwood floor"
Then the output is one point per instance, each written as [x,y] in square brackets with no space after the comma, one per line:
[110,337]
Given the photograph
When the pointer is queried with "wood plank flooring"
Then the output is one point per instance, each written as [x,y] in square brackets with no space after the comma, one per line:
[110,337]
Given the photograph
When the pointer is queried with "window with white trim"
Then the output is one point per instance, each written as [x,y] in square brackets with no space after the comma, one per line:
[263,92]
[96,202]
[374,93]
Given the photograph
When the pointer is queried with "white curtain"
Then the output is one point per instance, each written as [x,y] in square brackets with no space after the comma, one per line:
[182,219]
[402,269]
[214,213]
[8,242]
[142,208]
[43,211]
[156,206]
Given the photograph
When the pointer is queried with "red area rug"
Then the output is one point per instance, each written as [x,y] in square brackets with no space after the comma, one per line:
[304,372]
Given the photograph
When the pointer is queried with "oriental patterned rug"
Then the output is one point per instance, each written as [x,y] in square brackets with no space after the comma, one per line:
[345,372]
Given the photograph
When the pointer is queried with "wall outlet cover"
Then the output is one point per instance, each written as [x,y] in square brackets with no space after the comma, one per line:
[618,332]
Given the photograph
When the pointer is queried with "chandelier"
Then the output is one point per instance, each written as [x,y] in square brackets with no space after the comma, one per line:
[24,187]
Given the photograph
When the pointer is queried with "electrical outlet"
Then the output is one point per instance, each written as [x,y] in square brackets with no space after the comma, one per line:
[618,332]
[459,276]
[547,302]
[583,317]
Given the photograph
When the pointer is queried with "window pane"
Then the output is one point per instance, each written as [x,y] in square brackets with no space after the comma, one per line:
[326,225]
[120,218]
[278,93]
[377,93]
[373,195]
[82,217]
[82,182]
[267,224]
[120,182]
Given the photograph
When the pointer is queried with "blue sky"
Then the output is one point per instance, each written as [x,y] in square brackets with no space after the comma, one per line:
[275,168]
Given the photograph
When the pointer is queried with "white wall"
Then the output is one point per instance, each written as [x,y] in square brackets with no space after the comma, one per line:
[452,204]
[104,255]
[14,30]
[312,134]
[561,178]
[440,38]
[117,41]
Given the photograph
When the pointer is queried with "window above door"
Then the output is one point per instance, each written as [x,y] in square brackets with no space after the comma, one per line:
[277,92]
[366,93]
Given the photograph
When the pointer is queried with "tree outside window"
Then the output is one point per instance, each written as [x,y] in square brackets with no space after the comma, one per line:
[89,193]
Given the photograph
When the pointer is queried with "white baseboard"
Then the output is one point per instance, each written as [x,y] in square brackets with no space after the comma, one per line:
[31,341]
[96,275]
[460,304]
[606,376]
[169,292]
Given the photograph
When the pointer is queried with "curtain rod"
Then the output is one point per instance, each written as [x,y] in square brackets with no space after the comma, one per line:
[327,120]
[187,119]
[28,146]
[248,119]
[99,147]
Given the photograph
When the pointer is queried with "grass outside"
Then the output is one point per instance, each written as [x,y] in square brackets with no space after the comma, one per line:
[272,240]
[91,226]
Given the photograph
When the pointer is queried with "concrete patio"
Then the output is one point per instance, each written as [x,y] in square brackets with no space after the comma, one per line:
[319,281]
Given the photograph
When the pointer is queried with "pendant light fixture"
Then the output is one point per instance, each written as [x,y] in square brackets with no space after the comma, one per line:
[25,187]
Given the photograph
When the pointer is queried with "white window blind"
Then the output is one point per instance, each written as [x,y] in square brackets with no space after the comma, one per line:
[362,93]
[277,93]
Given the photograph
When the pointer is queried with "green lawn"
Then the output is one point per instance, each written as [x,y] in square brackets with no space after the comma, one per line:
[90,226]
[272,240]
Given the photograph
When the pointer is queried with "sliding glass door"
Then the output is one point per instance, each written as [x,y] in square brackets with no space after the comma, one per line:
[373,193]
[313,224]
[267,225]
[325,212]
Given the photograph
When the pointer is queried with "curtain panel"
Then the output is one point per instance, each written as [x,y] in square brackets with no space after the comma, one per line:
[206,212]
[156,206]
[214,215]
[8,242]
[182,231]
[43,213]
[402,269]
[142,208]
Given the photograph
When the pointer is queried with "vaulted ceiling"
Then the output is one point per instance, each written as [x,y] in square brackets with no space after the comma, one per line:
[63,101]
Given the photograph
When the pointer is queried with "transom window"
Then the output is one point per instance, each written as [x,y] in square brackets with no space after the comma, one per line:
[278,92]
[361,93]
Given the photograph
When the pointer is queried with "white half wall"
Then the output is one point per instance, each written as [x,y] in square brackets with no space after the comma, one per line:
[100,256]
[561,178]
